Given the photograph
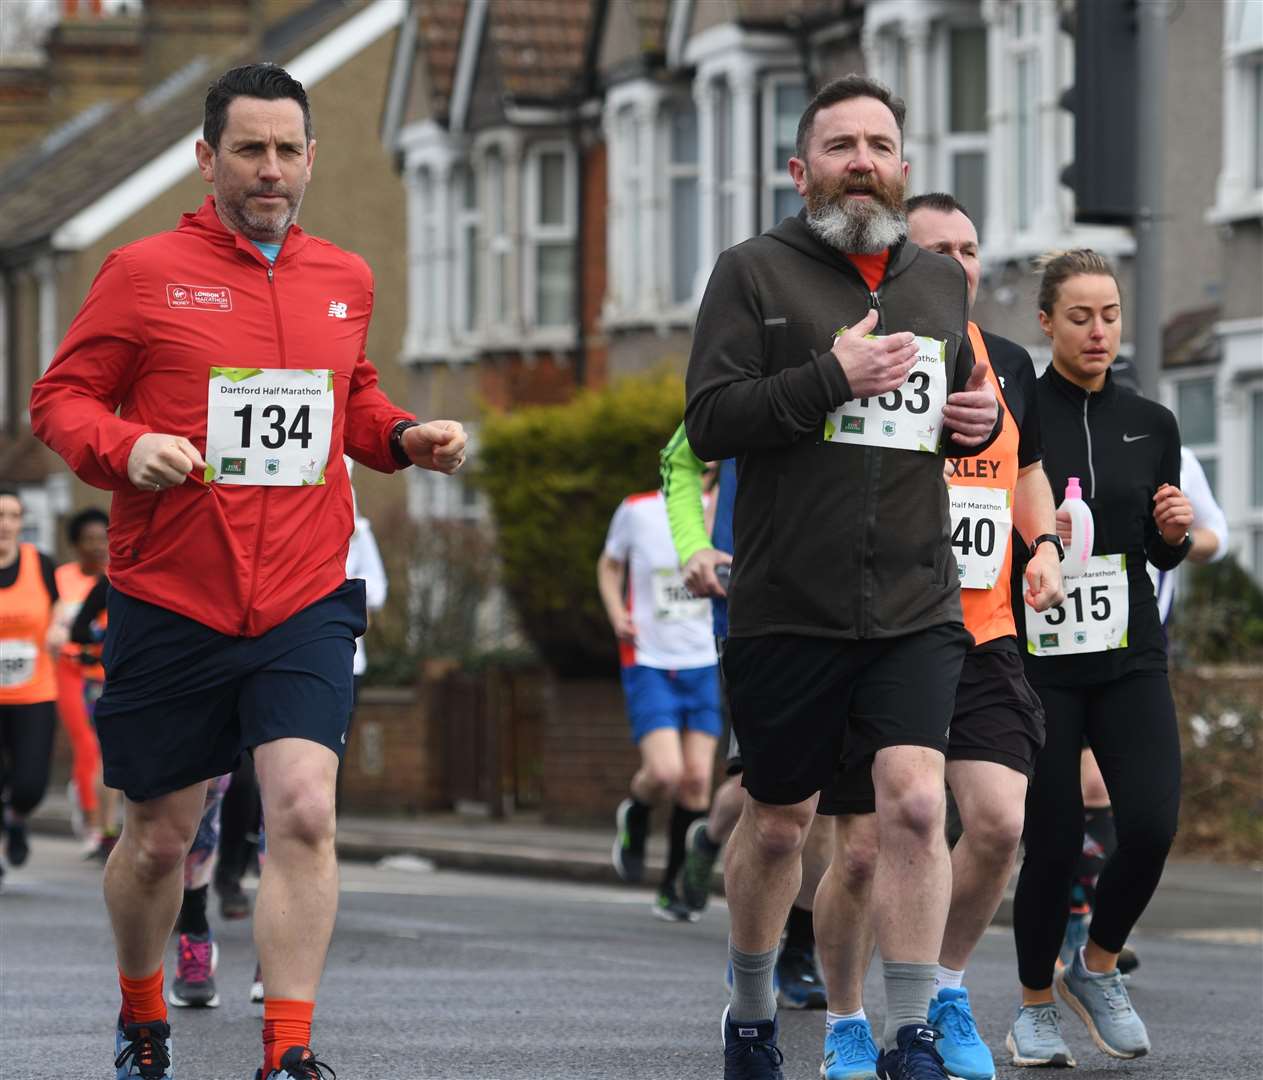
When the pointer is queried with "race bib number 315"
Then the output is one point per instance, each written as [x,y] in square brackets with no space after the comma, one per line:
[1092,618]
[910,417]
[268,426]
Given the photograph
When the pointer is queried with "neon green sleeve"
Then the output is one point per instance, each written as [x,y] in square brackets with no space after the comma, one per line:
[682,489]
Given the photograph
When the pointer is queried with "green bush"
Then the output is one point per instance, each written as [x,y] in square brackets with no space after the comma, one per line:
[1219,615]
[554,475]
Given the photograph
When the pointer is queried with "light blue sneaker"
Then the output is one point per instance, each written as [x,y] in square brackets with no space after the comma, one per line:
[1102,1003]
[298,1063]
[1035,1038]
[965,1055]
[143,1051]
[849,1052]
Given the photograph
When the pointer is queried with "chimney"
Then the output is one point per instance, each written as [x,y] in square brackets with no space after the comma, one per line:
[93,58]
[25,106]
[177,31]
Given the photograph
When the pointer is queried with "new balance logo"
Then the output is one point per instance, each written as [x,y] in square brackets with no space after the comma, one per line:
[337,309]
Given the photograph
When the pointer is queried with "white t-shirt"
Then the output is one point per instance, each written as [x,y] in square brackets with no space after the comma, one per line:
[673,628]
[363,560]
[1206,515]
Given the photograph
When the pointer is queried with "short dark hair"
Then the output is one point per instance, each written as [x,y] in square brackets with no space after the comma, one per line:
[267,81]
[937,200]
[849,86]
[84,518]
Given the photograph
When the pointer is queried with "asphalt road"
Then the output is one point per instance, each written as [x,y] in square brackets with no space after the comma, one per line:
[472,977]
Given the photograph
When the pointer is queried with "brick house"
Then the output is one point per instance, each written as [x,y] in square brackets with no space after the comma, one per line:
[122,98]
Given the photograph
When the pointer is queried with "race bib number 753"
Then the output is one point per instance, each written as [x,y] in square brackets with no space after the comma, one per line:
[909,417]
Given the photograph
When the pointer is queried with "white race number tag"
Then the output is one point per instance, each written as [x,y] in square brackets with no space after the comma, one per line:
[907,418]
[981,522]
[268,426]
[17,661]
[1092,618]
[672,602]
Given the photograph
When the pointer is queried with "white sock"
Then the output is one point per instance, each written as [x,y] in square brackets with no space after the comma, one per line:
[946,977]
[831,1018]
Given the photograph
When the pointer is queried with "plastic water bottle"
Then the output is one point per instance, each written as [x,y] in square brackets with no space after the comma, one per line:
[1079,550]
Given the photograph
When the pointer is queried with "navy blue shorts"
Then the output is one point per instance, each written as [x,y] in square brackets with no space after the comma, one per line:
[657,698]
[182,702]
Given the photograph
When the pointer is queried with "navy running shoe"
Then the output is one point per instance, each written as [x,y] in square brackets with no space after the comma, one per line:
[299,1063]
[914,1056]
[143,1051]
[628,853]
[750,1050]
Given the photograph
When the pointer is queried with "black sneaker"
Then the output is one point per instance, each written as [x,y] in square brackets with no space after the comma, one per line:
[298,1063]
[699,865]
[799,978]
[914,1056]
[629,845]
[143,1051]
[17,846]
[1128,961]
[670,908]
[750,1050]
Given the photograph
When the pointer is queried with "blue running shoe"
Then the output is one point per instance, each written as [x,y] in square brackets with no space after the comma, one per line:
[143,1051]
[298,1063]
[750,1050]
[914,1056]
[800,984]
[1103,1004]
[965,1055]
[1035,1039]
[849,1052]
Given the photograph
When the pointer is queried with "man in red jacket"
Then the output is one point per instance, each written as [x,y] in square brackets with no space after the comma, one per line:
[212,380]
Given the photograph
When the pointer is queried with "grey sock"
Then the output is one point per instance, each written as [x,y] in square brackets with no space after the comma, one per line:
[909,988]
[752,996]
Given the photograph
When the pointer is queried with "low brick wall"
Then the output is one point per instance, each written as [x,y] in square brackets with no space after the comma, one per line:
[394,757]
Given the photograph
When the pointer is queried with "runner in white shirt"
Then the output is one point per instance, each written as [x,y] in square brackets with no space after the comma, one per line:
[671,682]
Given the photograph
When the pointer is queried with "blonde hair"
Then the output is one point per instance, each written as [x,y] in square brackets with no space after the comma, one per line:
[1060,266]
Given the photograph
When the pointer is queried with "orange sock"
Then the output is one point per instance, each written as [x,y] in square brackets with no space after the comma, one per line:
[142,998]
[285,1024]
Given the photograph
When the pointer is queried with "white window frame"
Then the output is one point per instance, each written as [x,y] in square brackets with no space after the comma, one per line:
[948,144]
[1203,451]
[467,246]
[1239,194]
[630,178]
[775,173]
[536,235]
[498,248]
[679,310]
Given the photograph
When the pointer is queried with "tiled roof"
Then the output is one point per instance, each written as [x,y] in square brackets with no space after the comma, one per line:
[439,23]
[58,177]
[1190,338]
[540,45]
[765,12]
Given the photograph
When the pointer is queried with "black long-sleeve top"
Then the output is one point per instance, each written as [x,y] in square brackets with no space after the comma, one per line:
[1122,447]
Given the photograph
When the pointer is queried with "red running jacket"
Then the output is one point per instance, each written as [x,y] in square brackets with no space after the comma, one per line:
[160,313]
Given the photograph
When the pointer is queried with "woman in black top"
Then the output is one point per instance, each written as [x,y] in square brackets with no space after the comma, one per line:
[1099,664]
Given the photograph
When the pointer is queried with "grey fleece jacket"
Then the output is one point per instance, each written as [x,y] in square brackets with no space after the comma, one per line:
[831,539]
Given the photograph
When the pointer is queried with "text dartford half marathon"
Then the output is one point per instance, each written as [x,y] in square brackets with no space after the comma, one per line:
[291,391]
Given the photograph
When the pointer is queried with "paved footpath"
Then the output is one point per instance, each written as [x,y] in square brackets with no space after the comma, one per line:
[453,976]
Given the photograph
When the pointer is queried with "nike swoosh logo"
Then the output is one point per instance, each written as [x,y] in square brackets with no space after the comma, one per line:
[1134,438]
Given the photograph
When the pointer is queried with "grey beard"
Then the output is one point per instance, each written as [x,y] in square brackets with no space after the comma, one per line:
[858,229]
[263,227]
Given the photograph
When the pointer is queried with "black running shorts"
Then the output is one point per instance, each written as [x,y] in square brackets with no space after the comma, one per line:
[998,717]
[799,703]
[182,701]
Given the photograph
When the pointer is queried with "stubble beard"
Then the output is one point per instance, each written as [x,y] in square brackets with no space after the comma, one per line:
[853,226]
[266,228]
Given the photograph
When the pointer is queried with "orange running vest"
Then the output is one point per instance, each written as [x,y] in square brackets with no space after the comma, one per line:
[989,612]
[73,585]
[26,669]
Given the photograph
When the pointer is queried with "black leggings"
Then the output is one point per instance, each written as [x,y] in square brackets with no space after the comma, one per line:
[26,753]
[1131,727]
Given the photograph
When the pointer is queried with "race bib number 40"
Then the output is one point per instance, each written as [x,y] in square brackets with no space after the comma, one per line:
[981,522]
[910,417]
[672,602]
[268,426]
[1092,618]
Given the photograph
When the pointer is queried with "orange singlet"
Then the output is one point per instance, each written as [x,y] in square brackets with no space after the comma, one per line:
[988,612]
[26,669]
